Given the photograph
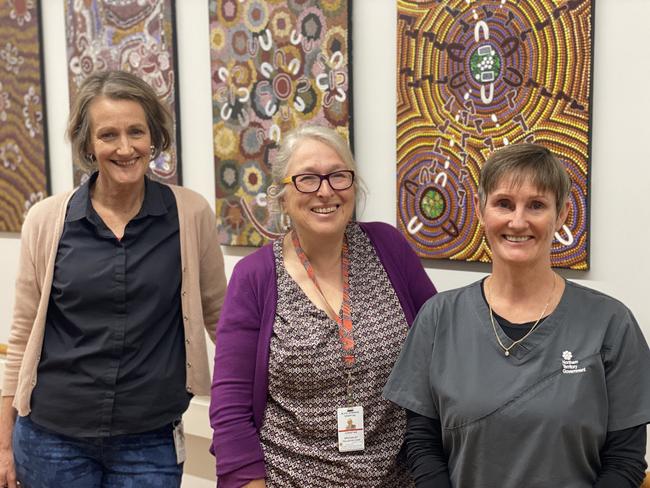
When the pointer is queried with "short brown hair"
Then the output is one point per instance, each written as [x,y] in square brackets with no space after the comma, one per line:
[116,85]
[522,161]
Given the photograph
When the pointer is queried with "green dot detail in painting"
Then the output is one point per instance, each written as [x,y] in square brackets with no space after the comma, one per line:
[485,64]
[432,204]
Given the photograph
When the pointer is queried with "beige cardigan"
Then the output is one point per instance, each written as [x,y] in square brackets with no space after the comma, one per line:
[203,288]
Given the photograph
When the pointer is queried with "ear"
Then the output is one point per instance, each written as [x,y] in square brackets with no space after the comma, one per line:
[477,209]
[562,216]
[89,151]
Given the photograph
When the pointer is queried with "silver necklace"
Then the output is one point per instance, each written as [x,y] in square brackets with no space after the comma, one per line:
[506,350]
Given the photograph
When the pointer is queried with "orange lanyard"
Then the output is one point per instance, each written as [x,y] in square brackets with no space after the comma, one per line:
[344,319]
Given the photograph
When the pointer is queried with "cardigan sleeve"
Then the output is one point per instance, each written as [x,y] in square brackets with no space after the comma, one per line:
[27,299]
[212,279]
[235,442]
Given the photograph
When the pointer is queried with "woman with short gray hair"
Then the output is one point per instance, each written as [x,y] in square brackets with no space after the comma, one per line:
[524,379]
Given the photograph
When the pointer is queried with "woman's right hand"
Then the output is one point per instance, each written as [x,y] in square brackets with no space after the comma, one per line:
[7,468]
[7,420]
[255,484]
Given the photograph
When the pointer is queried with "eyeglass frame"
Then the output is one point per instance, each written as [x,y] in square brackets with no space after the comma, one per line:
[292,179]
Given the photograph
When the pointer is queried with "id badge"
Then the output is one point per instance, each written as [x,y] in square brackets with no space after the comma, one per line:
[179,441]
[350,428]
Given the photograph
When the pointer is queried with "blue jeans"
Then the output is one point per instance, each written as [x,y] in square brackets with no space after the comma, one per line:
[45,459]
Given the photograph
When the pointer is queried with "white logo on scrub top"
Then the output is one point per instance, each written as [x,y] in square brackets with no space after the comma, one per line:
[569,366]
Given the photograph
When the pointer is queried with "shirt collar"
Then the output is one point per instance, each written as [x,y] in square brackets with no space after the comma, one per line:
[80,205]
[153,204]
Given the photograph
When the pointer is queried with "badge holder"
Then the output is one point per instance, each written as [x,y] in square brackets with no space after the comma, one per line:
[179,441]
[350,424]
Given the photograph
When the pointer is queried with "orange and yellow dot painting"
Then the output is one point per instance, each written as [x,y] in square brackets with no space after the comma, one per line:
[472,77]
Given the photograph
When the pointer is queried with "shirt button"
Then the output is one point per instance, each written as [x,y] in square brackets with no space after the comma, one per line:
[184,269]
[189,365]
[189,388]
[183,293]
[185,317]
[187,341]
[33,382]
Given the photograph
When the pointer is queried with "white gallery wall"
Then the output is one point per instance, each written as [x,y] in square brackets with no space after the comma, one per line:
[620,171]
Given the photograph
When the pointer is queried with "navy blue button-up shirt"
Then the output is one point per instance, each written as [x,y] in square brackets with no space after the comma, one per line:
[113,359]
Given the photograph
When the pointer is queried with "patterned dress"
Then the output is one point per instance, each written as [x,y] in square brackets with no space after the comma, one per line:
[307,382]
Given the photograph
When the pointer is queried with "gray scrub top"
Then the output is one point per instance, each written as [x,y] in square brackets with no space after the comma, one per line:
[539,417]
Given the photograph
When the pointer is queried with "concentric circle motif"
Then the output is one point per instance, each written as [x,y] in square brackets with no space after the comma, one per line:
[227,178]
[474,77]
[312,24]
[276,65]
[485,64]
[282,86]
[253,178]
[436,211]
[252,140]
[228,12]
[432,204]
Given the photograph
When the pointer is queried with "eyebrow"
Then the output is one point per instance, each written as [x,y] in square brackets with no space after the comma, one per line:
[312,170]
[514,191]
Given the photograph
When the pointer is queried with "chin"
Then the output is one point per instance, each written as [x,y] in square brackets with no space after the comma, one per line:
[132,173]
[325,229]
[519,260]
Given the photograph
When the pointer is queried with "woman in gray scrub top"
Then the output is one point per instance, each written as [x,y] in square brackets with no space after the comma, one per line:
[524,379]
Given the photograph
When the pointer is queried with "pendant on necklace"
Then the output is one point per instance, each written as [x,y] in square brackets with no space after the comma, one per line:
[507,353]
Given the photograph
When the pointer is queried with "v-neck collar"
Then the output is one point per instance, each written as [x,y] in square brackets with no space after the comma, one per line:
[543,331]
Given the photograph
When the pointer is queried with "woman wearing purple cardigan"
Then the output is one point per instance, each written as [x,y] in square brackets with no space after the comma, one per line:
[309,331]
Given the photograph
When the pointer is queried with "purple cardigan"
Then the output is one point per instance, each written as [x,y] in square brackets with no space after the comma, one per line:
[240,383]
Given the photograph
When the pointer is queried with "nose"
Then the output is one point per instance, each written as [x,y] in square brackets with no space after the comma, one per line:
[124,144]
[325,188]
[518,220]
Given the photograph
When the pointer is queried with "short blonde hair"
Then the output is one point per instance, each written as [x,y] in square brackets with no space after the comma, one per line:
[116,85]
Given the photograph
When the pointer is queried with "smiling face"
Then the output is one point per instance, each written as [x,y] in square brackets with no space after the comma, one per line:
[326,212]
[520,222]
[119,140]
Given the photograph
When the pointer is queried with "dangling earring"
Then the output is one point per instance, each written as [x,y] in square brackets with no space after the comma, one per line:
[90,157]
[285,221]
[152,150]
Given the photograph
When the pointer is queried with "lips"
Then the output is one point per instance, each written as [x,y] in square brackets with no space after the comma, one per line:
[325,210]
[517,238]
[126,163]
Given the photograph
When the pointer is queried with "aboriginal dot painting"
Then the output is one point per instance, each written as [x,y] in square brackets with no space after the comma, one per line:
[275,65]
[23,142]
[131,35]
[473,76]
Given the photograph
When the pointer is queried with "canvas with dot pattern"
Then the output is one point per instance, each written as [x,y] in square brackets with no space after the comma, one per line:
[23,129]
[275,65]
[473,76]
